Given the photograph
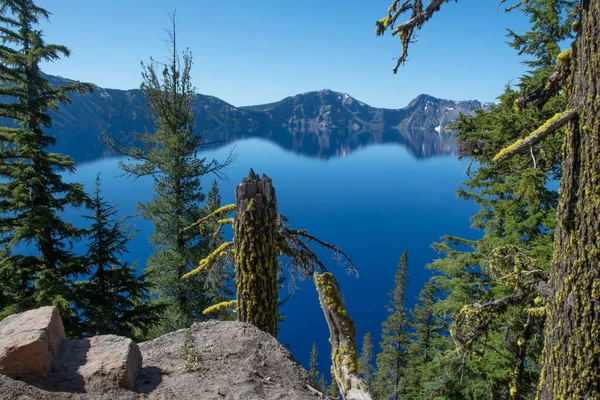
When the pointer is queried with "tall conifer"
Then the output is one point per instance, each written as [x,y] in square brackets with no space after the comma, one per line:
[114,299]
[313,363]
[168,154]
[37,264]
[365,362]
[505,270]
[392,360]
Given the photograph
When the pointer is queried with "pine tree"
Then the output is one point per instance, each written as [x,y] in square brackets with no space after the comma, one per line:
[427,339]
[391,361]
[38,264]
[313,363]
[365,362]
[497,291]
[169,156]
[114,299]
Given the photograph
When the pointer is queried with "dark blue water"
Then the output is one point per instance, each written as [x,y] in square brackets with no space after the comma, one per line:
[373,204]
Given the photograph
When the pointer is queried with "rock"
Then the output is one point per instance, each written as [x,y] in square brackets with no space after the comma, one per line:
[30,340]
[110,358]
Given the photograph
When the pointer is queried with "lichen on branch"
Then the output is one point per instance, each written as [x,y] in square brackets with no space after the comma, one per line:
[219,307]
[550,126]
[215,214]
[213,257]
[418,16]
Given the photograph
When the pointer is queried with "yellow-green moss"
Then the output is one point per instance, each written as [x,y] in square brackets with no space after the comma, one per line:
[344,353]
[218,307]
[575,26]
[517,106]
[207,262]
[382,25]
[513,147]
[564,57]
[256,267]
[508,150]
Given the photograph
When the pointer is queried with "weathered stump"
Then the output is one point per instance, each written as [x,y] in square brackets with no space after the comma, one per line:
[256,253]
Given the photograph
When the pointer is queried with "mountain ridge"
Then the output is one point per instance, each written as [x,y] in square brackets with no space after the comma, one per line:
[321,124]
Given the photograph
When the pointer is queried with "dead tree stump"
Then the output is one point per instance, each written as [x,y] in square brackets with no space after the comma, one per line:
[256,253]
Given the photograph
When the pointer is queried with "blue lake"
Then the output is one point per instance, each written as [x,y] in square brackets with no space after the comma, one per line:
[373,203]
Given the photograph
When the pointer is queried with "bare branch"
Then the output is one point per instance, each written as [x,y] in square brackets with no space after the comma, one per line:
[553,84]
[513,7]
[317,393]
[550,126]
[343,258]
[215,214]
[222,251]
[476,319]
[406,29]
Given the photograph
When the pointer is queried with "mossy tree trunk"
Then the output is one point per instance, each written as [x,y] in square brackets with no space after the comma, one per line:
[342,336]
[572,347]
[256,253]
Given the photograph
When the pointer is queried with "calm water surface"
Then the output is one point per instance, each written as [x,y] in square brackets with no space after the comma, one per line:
[374,203]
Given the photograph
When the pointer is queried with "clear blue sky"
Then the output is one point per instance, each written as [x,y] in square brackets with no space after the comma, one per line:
[251,52]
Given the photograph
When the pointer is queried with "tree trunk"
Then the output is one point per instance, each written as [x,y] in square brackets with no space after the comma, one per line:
[256,253]
[342,336]
[572,346]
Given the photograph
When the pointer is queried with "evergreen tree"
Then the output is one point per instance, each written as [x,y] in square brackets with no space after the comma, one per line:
[365,362]
[169,156]
[495,286]
[114,299]
[313,363]
[391,361]
[427,340]
[37,264]
[313,368]
[568,361]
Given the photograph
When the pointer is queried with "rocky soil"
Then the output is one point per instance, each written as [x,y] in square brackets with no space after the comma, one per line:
[211,360]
